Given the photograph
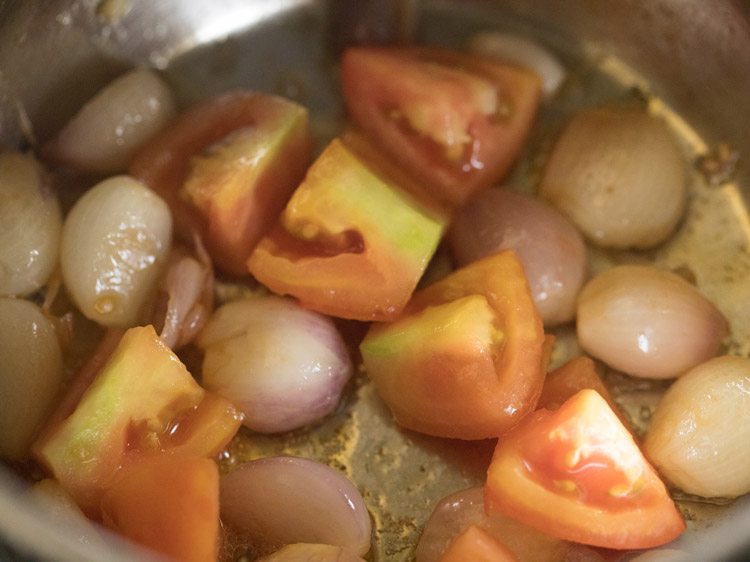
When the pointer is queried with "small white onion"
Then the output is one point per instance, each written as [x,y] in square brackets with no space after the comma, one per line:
[286,500]
[284,366]
[31,373]
[524,52]
[456,512]
[103,136]
[699,437]
[619,176]
[306,552]
[115,242]
[30,223]
[647,322]
[62,508]
[552,251]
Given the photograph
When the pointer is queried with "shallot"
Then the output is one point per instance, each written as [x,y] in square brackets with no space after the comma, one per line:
[30,223]
[647,322]
[107,131]
[31,374]
[551,250]
[524,52]
[619,176]
[284,366]
[115,242]
[699,437]
[283,500]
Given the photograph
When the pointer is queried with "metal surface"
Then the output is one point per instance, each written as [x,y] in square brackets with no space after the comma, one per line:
[687,59]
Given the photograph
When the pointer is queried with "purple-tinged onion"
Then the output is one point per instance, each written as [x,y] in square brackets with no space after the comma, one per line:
[454,513]
[699,437]
[647,322]
[277,501]
[524,52]
[106,132]
[306,552]
[552,251]
[30,224]
[619,176]
[284,366]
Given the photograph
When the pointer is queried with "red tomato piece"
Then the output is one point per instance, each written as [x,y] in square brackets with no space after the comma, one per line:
[568,379]
[456,122]
[168,504]
[350,243]
[465,359]
[477,545]
[577,473]
[227,167]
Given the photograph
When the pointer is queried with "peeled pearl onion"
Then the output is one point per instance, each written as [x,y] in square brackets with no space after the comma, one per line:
[619,176]
[282,365]
[30,223]
[31,374]
[106,132]
[551,250]
[115,242]
[699,436]
[285,500]
[521,51]
[647,322]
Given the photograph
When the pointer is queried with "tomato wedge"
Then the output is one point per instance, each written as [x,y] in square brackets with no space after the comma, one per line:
[227,167]
[456,122]
[477,545]
[350,243]
[169,504]
[577,473]
[465,358]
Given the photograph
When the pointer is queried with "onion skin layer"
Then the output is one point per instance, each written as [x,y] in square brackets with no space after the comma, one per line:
[699,436]
[647,322]
[619,176]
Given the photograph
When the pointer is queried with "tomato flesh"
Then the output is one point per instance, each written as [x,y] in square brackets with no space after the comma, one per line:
[350,243]
[456,122]
[477,545]
[227,167]
[465,359]
[577,473]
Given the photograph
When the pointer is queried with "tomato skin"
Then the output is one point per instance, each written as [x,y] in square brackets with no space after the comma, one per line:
[350,243]
[571,377]
[477,545]
[169,504]
[465,359]
[380,88]
[577,473]
[230,203]
[141,400]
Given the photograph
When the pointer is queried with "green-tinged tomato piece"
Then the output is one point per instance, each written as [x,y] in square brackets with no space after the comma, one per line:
[350,243]
[466,358]
[131,404]
[227,167]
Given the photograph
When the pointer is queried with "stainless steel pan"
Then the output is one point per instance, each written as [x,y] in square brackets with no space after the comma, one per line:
[691,54]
